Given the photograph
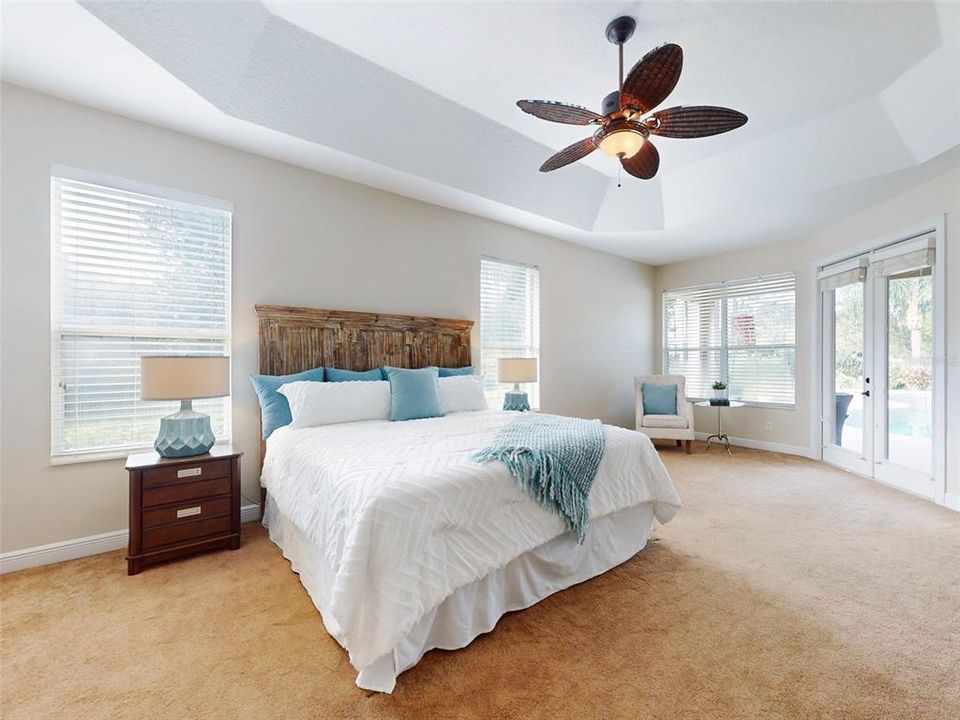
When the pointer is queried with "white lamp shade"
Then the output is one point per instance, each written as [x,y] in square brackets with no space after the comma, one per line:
[184,377]
[517,370]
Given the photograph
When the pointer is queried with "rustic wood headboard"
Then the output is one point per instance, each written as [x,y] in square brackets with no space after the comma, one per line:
[295,339]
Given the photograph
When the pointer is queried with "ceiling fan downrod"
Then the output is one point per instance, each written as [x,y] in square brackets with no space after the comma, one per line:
[618,32]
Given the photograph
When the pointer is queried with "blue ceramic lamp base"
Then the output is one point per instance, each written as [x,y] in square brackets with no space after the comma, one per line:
[184,433]
[516,400]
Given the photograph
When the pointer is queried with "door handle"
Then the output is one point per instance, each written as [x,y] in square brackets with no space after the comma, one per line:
[866,393]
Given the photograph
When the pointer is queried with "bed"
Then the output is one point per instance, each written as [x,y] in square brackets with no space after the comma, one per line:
[403,542]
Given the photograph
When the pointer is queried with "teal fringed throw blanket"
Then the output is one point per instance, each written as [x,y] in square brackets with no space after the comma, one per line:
[555,459]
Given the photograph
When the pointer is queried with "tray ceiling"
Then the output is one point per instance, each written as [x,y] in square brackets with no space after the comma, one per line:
[845,106]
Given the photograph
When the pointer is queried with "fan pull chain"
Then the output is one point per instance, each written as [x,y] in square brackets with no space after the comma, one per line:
[618,176]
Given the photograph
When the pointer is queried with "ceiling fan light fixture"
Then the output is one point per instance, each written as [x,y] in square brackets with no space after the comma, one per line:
[622,143]
[628,121]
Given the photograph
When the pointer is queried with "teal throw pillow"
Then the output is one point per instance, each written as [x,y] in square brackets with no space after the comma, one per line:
[414,394]
[338,375]
[452,372]
[274,408]
[659,399]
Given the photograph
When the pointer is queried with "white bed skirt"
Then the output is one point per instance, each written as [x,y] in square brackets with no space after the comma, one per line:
[473,609]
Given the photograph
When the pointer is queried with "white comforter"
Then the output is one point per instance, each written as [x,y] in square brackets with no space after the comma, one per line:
[404,517]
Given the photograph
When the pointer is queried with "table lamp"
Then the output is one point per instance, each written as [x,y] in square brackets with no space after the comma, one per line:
[185,378]
[516,371]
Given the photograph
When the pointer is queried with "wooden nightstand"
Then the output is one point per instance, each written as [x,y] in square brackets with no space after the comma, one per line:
[180,506]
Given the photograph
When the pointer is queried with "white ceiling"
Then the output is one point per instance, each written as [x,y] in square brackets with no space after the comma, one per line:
[848,102]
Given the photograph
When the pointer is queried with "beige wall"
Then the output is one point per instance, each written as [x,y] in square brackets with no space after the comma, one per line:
[300,238]
[794,427]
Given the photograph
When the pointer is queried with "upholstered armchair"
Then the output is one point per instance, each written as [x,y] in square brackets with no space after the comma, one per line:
[665,425]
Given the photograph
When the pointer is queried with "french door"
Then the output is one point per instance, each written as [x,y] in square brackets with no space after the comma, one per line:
[881,389]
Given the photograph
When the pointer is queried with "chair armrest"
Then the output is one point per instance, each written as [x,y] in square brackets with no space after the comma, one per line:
[686,409]
[637,404]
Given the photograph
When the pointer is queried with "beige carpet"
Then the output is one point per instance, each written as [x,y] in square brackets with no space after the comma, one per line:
[784,589]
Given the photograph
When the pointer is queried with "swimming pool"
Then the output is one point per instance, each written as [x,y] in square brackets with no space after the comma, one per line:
[909,413]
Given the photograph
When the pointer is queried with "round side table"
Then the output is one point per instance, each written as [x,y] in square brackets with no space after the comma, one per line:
[720,435]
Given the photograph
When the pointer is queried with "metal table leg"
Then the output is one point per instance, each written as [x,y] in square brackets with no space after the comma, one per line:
[719,435]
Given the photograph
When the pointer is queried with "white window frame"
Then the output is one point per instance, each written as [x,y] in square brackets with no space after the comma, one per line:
[723,348]
[57,455]
[527,350]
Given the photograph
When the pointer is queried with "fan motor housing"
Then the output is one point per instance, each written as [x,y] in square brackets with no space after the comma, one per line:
[611,103]
[620,125]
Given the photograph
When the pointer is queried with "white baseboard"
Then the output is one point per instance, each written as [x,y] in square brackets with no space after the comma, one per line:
[81,547]
[768,446]
[60,551]
[952,501]
[249,513]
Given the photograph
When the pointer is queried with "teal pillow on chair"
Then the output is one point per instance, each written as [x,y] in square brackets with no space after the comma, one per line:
[338,375]
[274,408]
[414,394]
[452,372]
[659,399]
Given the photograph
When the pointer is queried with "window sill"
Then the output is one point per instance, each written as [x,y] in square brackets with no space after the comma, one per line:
[103,455]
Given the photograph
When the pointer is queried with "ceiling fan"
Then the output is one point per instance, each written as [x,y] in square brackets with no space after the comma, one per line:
[627,123]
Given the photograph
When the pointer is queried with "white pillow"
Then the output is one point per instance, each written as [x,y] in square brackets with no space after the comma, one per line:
[461,392]
[327,403]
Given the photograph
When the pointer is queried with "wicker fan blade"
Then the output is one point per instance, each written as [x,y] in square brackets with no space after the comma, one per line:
[569,154]
[652,78]
[645,163]
[559,112]
[695,121]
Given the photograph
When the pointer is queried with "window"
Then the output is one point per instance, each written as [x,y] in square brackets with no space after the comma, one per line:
[509,322]
[740,331]
[133,272]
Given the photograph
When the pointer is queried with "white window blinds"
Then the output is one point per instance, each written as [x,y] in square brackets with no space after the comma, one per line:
[839,274]
[741,332]
[131,274]
[913,254]
[909,255]
[509,322]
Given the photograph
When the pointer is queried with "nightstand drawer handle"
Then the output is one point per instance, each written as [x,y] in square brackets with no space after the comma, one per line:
[189,472]
[188,512]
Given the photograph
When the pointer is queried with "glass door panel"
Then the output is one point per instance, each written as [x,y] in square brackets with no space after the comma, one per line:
[907,430]
[847,402]
[848,370]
